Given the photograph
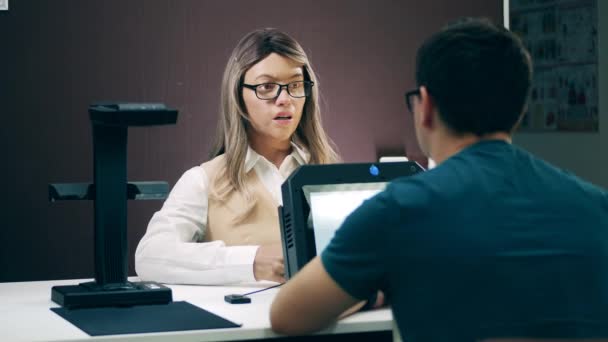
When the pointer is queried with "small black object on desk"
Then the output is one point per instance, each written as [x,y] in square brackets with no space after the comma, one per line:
[110,192]
[243,299]
[237,299]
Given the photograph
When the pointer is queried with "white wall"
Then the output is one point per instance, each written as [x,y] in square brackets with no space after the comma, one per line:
[584,154]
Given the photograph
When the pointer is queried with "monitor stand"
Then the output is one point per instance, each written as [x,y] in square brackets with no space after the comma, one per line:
[110,192]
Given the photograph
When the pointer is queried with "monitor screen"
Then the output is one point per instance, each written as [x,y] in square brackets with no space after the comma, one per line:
[330,205]
[318,198]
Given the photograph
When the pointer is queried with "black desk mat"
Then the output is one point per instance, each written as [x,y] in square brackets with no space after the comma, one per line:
[175,316]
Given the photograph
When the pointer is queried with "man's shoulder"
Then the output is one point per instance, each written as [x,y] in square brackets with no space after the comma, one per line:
[557,175]
[416,191]
[443,176]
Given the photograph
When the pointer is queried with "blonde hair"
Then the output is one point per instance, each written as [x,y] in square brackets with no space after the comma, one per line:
[231,136]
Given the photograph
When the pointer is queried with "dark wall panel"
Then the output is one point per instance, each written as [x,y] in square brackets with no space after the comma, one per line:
[59,56]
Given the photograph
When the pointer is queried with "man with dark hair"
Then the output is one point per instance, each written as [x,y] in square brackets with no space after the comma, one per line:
[493,242]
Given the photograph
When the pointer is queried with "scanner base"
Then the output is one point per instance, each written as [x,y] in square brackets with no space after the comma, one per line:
[127,294]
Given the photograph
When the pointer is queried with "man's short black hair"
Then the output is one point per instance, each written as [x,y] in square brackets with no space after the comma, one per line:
[478,75]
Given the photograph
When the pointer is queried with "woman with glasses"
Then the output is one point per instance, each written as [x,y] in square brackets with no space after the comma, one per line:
[220,222]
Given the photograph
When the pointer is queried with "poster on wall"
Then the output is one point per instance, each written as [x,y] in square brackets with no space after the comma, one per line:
[562,38]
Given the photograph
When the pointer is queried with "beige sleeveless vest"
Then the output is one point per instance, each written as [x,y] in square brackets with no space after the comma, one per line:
[259,227]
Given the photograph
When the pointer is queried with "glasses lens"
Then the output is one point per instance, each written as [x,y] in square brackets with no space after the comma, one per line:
[298,89]
[267,91]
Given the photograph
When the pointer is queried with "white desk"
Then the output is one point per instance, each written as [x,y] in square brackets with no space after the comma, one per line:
[25,315]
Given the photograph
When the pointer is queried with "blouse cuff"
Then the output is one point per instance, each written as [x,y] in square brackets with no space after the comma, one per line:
[242,258]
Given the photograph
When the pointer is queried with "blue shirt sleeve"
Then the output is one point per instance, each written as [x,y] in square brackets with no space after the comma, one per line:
[355,257]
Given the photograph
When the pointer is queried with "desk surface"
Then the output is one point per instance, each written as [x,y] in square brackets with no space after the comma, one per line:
[25,315]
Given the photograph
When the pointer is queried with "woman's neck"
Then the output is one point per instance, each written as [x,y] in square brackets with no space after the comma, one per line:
[275,151]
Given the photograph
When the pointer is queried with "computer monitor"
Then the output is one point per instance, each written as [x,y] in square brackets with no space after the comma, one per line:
[317,199]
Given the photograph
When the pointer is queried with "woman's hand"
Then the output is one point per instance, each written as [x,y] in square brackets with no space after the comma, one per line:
[268,263]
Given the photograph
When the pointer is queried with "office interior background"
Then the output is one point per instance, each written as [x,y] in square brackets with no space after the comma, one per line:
[60,56]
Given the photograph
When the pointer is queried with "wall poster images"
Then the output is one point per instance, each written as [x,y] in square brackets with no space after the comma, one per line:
[562,38]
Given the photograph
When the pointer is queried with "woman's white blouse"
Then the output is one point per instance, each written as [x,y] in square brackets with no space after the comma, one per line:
[171,251]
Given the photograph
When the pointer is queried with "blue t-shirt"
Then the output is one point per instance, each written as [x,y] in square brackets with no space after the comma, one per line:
[493,242]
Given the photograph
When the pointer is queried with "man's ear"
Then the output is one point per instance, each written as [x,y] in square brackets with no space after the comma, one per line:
[427,108]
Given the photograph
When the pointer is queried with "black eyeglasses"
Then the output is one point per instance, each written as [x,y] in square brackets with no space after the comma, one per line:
[408,98]
[271,90]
